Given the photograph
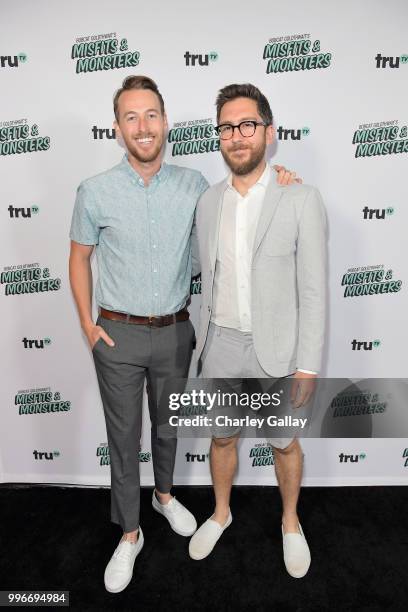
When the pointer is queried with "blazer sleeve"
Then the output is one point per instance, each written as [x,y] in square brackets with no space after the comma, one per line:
[195,256]
[311,269]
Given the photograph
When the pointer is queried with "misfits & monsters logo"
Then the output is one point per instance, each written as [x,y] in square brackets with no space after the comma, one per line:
[359,403]
[28,278]
[189,137]
[261,454]
[103,453]
[385,138]
[17,136]
[293,53]
[195,287]
[369,280]
[40,401]
[102,52]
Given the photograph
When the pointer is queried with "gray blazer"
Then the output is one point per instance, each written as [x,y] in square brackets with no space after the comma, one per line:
[288,281]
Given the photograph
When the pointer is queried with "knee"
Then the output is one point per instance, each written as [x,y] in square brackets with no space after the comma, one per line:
[226,443]
[293,447]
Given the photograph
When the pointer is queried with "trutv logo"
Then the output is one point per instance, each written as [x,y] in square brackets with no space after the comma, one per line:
[364,345]
[200,59]
[100,133]
[38,344]
[377,213]
[351,458]
[12,61]
[383,61]
[41,455]
[292,134]
[192,458]
[22,213]
[405,456]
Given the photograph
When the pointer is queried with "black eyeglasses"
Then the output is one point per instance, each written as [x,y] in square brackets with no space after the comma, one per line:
[246,129]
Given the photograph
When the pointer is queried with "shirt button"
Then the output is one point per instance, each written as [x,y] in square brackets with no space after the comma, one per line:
[155,270]
[154,246]
[141,182]
[156,294]
[153,221]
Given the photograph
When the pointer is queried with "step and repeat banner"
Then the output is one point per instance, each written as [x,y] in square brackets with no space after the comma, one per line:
[336,76]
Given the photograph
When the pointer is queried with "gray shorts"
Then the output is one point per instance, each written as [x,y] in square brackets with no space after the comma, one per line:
[229,358]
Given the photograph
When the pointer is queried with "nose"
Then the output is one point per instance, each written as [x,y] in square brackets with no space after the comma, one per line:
[236,134]
[141,124]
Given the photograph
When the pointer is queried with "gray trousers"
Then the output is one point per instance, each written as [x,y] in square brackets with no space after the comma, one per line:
[140,353]
[229,354]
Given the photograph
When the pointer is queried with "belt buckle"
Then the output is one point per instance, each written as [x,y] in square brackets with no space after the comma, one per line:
[151,320]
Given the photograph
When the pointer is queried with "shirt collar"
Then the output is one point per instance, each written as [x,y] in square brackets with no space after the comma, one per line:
[263,179]
[159,176]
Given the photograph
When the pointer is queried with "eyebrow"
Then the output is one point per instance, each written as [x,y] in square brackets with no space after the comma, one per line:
[149,110]
[241,120]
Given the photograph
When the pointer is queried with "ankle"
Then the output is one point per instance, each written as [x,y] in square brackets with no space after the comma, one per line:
[162,498]
[131,536]
[290,521]
[221,515]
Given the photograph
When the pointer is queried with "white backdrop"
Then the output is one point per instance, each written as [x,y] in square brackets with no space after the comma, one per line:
[320,108]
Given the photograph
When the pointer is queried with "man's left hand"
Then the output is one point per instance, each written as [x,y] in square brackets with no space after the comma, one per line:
[285,177]
[302,388]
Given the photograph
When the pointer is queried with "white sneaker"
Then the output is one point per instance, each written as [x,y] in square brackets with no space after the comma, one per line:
[180,519]
[296,553]
[205,538]
[119,570]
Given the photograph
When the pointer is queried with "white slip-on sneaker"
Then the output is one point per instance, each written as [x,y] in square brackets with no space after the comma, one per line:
[181,520]
[119,571]
[206,537]
[296,553]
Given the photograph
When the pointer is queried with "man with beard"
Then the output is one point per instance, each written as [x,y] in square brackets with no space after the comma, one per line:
[262,254]
[139,215]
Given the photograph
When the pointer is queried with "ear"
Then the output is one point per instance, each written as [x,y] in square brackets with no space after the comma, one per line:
[270,134]
[118,133]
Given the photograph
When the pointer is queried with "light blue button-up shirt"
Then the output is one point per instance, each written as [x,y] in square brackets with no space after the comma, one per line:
[142,236]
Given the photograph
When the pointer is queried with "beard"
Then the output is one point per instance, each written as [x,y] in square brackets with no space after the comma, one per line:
[241,168]
[145,156]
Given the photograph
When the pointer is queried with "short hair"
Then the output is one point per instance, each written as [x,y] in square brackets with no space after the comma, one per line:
[137,82]
[245,90]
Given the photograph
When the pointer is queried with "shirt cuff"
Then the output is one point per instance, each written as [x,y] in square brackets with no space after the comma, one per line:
[306,371]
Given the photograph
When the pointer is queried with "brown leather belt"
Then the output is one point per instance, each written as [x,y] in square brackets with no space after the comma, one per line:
[181,315]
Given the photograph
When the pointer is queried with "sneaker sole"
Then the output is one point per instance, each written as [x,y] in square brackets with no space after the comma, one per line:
[196,558]
[121,589]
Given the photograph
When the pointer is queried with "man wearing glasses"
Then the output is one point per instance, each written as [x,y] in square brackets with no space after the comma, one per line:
[262,254]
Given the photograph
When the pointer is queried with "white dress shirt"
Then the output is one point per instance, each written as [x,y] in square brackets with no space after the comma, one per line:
[232,280]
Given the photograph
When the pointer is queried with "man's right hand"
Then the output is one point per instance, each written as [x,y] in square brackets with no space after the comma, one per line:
[94,332]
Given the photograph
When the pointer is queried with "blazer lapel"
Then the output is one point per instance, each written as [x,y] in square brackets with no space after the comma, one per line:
[272,196]
[215,225]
